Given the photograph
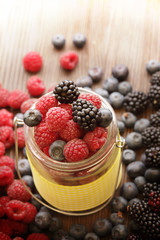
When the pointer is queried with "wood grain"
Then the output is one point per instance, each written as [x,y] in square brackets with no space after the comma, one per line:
[117,31]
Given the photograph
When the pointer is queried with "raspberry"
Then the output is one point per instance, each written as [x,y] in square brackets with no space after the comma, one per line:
[68,108]
[6,175]
[5,227]
[95,139]
[6,118]
[45,103]
[18,228]
[56,119]
[92,98]
[4,95]
[15,210]
[46,151]
[32,62]
[71,131]
[20,137]
[2,149]
[37,236]
[35,86]
[7,161]
[4,236]
[7,136]
[43,136]
[18,238]
[4,200]
[31,212]
[27,104]
[2,211]
[16,98]
[69,60]
[76,150]
[17,191]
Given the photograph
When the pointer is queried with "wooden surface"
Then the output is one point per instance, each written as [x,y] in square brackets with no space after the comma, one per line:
[122,31]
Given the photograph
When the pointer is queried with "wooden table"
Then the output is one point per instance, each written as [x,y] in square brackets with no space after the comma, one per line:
[117,31]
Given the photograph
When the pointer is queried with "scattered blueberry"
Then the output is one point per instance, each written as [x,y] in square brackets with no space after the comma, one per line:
[119,204]
[43,219]
[78,231]
[135,169]
[24,152]
[119,232]
[141,124]
[106,117]
[152,175]
[102,92]
[111,84]
[102,227]
[152,66]
[140,181]
[133,226]
[37,204]
[116,99]
[24,167]
[95,73]
[84,81]
[45,209]
[121,126]
[120,72]
[19,116]
[129,190]
[32,117]
[29,181]
[55,224]
[56,150]
[133,200]
[61,234]
[129,119]
[124,88]
[58,41]
[33,228]
[128,156]
[116,218]
[79,40]
[91,236]
[134,140]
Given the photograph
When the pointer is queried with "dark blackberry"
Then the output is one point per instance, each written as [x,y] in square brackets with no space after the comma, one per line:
[152,157]
[155,119]
[155,79]
[135,102]
[154,96]
[66,92]
[133,236]
[149,221]
[85,114]
[151,137]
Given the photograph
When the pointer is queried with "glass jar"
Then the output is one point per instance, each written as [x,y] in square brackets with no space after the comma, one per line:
[82,187]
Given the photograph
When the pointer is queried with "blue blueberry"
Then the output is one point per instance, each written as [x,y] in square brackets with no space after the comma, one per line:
[106,117]
[24,152]
[32,117]
[129,119]
[129,156]
[33,228]
[136,169]
[119,232]
[24,167]
[119,204]
[84,81]
[116,218]
[153,66]
[43,219]
[116,99]
[141,124]
[58,41]
[134,140]
[19,116]
[95,73]
[28,179]
[124,88]
[37,204]
[140,181]
[120,72]
[102,227]
[133,200]
[55,224]
[120,126]
[61,234]
[56,150]
[79,40]
[102,92]
[152,175]
[78,231]
[91,236]
[111,84]
[129,190]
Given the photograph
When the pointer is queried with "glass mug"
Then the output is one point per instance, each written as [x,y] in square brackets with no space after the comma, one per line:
[78,188]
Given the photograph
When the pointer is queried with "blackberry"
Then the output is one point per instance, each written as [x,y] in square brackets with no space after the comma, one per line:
[66,92]
[155,79]
[133,236]
[151,137]
[152,157]
[135,102]
[85,114]
[155,119]
[154,96]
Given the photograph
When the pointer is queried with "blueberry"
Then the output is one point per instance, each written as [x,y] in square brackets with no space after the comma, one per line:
[60,234]
[24,167]
[29,181]
[120,126]
[91,236]
[129,190]
[106,117]
[102,92]
[129,119]
[136,169]
[33,228]
[111,84]
[45,209]
[116,218]
[120,72]
[119,204]
[19,116]
[119,232]
[84,81]
[43,219]
[128,156]
[124,88]
[152,175]
[35,202]
[116,99]
[56,150]
[79,40]
[95,73]
[140,181]
[58,41]
[24,152]
[133,226]
[78,231]
[152,66]
[133,200]
[134,140]
[55,224]
[141,125]
[102,227]
[32,117]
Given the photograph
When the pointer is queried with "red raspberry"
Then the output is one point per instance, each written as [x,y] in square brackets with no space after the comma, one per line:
[37,236]
[46,151]
[7,161]
[7,136]
[16,98]
[45,103]
[32,62]
[69,60]
[56,119]
[27,104]
[15,210]
[5,227]
[6,175]
[17,191]
[43,136]
[2,211]
[4,200]
[51,89]
[4,95]
[0,85]
[4,236]
[18,228]
[71,131]
[2,149]
[18,238]
[35,86]
[92,98]
[68,108]
[31,212]
[96,138]
[6,118]
[20,137]
[76,150]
